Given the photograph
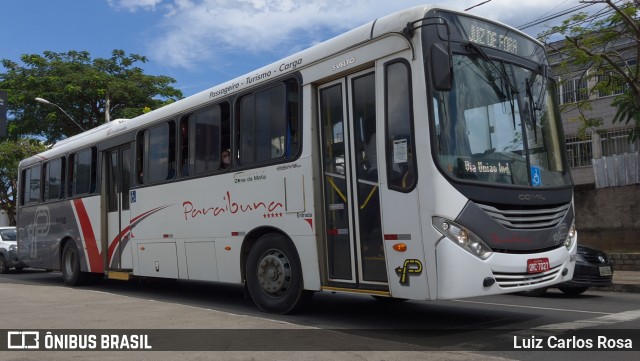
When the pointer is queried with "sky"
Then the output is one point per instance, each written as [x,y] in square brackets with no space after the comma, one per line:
[201,43]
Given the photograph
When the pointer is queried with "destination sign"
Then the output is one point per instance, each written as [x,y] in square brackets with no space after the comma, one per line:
[490,35]
[483,35]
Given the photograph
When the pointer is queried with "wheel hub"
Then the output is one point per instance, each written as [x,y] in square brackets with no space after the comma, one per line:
[274,273]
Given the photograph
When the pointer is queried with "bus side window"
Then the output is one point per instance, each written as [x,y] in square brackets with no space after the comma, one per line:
[70,173]
[268,123]
[184,146]
[84,164]
[140,151]
[31,178]
[400,152]
[292,136]
[159,158]
[30,186]
[205,139]
[54,180]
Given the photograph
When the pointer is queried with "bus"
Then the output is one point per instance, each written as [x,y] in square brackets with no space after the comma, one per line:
[417,157]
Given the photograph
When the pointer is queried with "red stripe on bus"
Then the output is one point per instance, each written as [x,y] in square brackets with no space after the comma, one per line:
[89,238]
[116,241]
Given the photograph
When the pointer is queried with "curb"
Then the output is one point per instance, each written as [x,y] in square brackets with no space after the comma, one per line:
[621,287]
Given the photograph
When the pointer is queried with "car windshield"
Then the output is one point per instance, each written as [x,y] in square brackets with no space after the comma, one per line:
[498,124]
[8,234]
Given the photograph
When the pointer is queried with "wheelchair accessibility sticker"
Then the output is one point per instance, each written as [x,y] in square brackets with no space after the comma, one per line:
[536,178]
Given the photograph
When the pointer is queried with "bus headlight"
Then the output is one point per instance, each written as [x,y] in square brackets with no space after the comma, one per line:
[462,237]
[570,237]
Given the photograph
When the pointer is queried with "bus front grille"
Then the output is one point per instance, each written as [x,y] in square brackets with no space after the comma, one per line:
[511,280]
[526,218]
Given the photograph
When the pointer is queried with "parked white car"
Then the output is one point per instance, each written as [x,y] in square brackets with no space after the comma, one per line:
[9,250]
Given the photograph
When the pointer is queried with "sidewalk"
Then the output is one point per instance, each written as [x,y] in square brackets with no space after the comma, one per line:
[624,281]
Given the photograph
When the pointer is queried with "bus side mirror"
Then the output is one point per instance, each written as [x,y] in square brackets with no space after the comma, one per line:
[441,68]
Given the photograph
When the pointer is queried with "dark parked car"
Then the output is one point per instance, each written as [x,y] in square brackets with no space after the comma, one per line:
[593,269]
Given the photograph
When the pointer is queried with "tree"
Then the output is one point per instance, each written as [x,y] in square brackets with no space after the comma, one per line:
[86,89]
[605,47]
[11,153]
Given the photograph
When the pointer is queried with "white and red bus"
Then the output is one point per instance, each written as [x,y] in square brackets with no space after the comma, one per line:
[419,156]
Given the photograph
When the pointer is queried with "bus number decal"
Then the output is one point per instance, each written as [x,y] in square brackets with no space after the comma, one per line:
[343,63]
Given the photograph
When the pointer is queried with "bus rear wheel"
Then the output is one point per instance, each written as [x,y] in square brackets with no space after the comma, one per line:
[274,275]
[71,272]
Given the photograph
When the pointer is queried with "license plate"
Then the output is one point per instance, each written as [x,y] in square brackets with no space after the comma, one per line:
[537,265]
[605,271]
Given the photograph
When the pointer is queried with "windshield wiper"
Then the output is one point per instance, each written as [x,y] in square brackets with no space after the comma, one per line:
[503,75]
[532,109]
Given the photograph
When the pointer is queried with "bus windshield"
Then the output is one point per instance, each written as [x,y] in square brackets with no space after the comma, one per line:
[498,124]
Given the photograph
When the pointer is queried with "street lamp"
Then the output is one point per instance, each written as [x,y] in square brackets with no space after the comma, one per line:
[45,101]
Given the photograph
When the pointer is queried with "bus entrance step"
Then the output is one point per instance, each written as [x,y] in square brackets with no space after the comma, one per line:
[117,275]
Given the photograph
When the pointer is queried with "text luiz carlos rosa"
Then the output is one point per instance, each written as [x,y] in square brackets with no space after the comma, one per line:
[573,342]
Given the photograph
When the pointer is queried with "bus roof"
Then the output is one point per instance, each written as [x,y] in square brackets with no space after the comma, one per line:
[394,22]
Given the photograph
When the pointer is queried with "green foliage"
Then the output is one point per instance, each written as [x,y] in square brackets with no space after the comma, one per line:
[81,86]
[11,153]
[603,43]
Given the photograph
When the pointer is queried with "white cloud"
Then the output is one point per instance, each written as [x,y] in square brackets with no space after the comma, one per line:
[134,5]
[194,32]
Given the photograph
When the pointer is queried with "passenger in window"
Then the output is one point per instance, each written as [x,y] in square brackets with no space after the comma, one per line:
[226,159]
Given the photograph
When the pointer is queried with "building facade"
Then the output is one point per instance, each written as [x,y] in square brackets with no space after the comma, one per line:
[585,146]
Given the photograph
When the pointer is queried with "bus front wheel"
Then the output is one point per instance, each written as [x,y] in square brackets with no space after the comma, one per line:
[274,275]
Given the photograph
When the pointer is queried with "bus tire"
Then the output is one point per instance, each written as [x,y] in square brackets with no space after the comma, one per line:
[274,275]
[71,273]
[573,291]
[3,265]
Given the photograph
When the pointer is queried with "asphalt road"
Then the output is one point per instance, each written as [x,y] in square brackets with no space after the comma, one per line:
[333,326]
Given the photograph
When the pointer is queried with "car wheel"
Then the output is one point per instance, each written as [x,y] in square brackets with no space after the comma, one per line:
[274,275]
[534,293]
[574,291]
[3,265]
[71,272]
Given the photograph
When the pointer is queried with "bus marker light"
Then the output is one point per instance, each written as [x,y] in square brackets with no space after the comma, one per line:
[400,247]
[227,248]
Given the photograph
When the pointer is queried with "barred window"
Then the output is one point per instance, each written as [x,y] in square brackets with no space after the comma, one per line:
[579,151]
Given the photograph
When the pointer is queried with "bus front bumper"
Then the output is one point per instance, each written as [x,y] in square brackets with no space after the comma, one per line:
[461,274]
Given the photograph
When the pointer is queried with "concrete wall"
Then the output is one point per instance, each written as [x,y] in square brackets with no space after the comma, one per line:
[609,218]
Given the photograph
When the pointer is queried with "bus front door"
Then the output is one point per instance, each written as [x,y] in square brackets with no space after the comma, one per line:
[118,180]
[354,240]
